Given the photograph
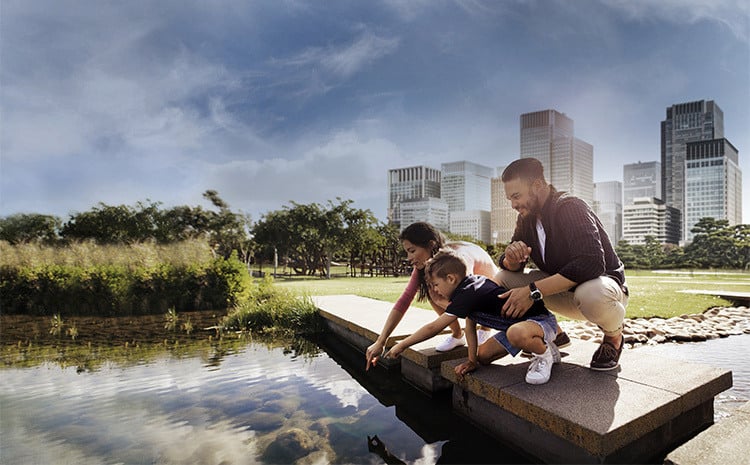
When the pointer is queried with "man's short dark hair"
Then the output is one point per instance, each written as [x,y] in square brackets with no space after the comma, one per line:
[528,169]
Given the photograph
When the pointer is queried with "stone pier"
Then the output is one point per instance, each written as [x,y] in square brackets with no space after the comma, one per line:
[636,413]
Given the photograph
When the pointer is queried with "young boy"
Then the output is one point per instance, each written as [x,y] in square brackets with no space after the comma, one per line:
[476,298]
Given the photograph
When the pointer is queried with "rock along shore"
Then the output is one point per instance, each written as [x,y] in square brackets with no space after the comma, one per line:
[713,323]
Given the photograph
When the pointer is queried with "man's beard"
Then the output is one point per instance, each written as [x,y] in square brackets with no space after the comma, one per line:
[534,208]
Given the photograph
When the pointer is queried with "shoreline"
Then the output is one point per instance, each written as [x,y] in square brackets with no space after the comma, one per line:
[717,322]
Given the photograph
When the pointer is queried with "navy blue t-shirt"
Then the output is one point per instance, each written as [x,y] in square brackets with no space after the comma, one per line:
[478,294]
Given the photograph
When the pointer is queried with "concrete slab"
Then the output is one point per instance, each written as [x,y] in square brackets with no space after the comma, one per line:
[359,320]
[632,414]
[734,296]
[725,442]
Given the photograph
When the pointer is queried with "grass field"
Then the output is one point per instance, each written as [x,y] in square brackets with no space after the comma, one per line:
[652,293]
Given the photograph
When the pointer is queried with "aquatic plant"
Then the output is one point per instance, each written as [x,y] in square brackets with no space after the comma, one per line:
[57,325]
[187,326]
[270,308]
[170,319]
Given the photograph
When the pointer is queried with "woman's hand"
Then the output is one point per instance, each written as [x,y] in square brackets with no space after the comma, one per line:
[466,367]
[373,354]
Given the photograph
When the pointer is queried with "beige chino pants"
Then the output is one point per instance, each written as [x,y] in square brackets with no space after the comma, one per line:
[600,301]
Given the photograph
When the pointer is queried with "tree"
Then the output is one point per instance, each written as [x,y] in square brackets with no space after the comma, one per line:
[109,224]
[228,231]
[33,227]
[713,245]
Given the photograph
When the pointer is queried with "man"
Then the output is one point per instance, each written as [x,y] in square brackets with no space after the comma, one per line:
[579,275]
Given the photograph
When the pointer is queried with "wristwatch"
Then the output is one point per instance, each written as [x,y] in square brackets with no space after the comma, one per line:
[536,294]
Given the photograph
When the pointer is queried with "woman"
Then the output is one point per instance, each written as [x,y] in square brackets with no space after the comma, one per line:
[421,241]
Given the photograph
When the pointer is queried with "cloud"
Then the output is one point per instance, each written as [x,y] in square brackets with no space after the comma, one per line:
[731,14]
[345,165]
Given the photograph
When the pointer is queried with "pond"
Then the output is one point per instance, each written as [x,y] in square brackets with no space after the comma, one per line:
[257,402]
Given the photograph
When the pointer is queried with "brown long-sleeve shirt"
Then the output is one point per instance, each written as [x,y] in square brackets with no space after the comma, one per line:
[577,246]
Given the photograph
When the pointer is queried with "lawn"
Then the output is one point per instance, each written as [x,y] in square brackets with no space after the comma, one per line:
[652,293]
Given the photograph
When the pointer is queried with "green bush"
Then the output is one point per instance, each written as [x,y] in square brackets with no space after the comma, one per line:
[119,289]
[269,308]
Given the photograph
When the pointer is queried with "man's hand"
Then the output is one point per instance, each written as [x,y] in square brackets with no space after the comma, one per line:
[466,367]
[373,353]
[518,303]
[516,254]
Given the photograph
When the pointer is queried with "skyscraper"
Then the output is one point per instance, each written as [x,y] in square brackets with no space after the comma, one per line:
[415,182]
[608,207]
[568,162]
[713,183]
[502,216]
[685,122]
[642,179]
[466,186]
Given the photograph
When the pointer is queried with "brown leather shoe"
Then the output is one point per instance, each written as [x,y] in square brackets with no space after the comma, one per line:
[607,357]
[562,340]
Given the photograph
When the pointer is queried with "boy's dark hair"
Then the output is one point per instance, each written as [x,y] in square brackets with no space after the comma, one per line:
[446,261]
[425,235]
[527,169]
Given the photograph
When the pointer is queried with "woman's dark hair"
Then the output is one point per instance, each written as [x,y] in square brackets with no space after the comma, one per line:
[423,235]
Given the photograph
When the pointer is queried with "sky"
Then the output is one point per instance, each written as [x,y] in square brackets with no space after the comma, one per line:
[280,101]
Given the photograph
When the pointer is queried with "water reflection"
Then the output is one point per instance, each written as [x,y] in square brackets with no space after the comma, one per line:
[242,405]
[727,353]
[245,402]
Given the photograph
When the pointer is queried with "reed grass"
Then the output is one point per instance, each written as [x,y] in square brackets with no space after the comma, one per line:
[90,254]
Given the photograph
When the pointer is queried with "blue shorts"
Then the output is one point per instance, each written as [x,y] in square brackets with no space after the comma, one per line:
[547,322]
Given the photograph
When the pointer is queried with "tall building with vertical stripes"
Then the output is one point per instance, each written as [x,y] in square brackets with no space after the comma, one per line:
[713,183]
[701,120]
[568,162]
[414,182]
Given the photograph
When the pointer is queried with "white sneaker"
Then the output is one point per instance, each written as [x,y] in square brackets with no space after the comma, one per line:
[449,343]
[540,368]
[483,335]
[556,357]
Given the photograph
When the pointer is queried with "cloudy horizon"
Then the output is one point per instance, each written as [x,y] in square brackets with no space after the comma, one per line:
[272,102]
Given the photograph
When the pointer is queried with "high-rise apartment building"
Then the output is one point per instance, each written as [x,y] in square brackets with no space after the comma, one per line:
[502,216]
[685,122]
[568,162]
[415,182]
[642,179]
[466,186]
[649,216]
[713,183]
[608,207]
[472,223]
[429,209]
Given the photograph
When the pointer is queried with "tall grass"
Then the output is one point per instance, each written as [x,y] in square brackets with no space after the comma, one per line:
[111,280]
[273,309]
[90,254]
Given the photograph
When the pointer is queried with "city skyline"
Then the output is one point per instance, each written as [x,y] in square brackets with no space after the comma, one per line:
[269,103]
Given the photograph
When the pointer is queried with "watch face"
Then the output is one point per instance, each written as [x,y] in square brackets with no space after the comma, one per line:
[536,294]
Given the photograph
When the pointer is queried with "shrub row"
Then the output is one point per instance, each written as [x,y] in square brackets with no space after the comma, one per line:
[115,290]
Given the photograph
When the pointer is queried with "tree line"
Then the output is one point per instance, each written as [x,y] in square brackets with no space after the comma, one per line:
[310,238]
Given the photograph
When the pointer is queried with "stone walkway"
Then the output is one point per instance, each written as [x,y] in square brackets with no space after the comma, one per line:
[713,323]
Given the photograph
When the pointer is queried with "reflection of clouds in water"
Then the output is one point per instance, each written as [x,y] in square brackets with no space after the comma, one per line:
[140,436]
[430,454]
[170,410]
